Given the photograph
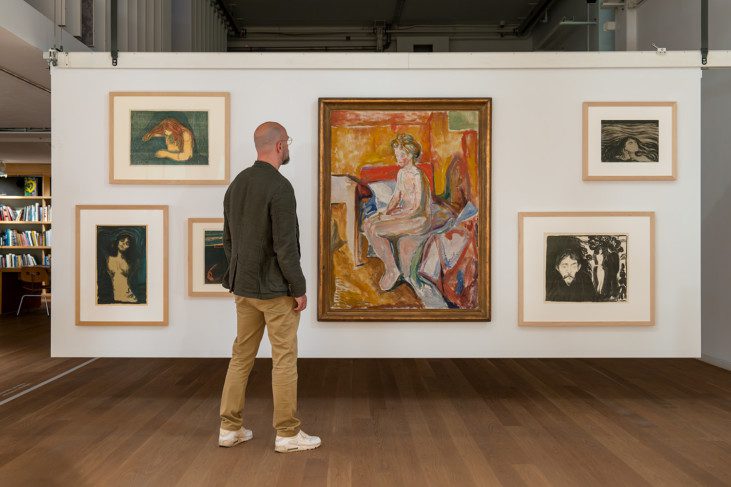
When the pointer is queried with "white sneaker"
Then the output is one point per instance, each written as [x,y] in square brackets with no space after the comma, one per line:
[299,442]
[228,438]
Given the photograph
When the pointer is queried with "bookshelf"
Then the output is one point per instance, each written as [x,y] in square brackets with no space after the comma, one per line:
[25,227]
[22,223]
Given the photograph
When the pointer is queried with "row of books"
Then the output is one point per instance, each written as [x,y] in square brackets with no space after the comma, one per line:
[13,261]
[29,238]
[30,213]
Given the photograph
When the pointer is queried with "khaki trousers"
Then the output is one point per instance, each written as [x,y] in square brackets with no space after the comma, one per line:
[281,322]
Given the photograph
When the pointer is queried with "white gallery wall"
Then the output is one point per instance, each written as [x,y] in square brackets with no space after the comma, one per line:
[536,166]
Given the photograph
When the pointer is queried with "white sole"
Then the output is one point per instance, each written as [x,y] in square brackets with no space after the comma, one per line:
[236,442]
[296,448]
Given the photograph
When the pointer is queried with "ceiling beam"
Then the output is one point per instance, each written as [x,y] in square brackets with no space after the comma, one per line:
[530,20]
[24,79]
[398,12]
[233,27]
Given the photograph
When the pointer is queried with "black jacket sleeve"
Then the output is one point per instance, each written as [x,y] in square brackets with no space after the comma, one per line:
[285,235]
[226,229]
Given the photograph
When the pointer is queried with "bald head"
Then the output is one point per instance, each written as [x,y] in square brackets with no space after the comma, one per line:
[268,134]
[270,139]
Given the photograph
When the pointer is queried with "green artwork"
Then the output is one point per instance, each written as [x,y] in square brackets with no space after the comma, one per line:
[463,120]
[215,257]
[169,138]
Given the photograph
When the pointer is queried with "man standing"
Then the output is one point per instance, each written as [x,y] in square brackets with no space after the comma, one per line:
[261,241]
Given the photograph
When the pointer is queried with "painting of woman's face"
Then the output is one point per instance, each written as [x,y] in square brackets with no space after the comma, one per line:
[123,244]
[631,146]
[403,157]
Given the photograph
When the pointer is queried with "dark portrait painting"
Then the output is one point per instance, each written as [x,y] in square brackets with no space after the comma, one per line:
[215,257]
[121,276]
[586,268]
[168,138]
[630,140]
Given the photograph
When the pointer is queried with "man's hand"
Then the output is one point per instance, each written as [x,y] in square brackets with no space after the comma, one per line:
[300,303]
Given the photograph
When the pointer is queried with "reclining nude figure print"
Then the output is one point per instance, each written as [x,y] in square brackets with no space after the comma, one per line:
[407,213]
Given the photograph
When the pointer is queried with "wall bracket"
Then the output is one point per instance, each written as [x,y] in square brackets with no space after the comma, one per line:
[704,32]
[113,33]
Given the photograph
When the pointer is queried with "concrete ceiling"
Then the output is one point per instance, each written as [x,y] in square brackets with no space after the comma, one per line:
[26,151]
[285,13]
[23,105]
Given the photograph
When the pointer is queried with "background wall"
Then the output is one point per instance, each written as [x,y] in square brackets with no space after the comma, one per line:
[716,213]
[536,167]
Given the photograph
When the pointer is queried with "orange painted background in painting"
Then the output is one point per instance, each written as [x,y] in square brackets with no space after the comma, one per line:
[364,138]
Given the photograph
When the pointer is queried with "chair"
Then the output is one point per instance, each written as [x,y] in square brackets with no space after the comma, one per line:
[36,282]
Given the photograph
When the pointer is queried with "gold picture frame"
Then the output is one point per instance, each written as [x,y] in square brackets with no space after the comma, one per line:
[195,266]
[646,288]
[657,167]
[209,168]
[89,311]
[480,143]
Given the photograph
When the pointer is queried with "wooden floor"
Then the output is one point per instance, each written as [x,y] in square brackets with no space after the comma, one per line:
[24,352]
[383,422]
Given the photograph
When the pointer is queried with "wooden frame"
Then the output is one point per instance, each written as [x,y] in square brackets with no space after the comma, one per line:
[201,294]
[521,261]
[585,149]
[165,265]
[227,144]
[484,107]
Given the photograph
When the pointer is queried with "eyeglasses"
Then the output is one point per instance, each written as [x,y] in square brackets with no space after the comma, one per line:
[288,140]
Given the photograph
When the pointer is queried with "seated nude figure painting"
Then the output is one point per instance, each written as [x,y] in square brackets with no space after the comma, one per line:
[404,227]
[408,212]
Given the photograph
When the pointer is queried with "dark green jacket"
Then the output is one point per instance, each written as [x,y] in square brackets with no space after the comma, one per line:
[261,235]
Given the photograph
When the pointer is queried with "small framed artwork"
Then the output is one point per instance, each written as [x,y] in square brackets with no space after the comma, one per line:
[630,141]
[121,265]
[207,261]
[586,269]
[404,230]
[168,138]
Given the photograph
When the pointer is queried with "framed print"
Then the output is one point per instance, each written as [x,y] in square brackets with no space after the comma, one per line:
[206,258]
[121,265]
[628,141]
[404,209]
[586,269]
[168,138]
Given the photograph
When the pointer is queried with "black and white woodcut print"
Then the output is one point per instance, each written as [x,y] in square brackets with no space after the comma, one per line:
[630,140]
[586,268]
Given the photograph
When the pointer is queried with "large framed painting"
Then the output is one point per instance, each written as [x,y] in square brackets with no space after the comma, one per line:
[207,261]
[630,141]
[121,265]
[404,217]
[168,138]
[586,268]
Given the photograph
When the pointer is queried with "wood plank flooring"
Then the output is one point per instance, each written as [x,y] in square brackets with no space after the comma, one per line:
[24,352]
[383,422]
